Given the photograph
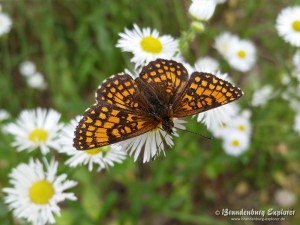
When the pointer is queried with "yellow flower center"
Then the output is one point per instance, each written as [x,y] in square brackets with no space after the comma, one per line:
[296,25]
[235,143]
[38,135]
[95,151]
[241,54]
[151,45]
[241,127]
[41,192]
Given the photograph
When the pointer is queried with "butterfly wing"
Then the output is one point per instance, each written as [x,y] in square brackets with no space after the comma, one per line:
[119,114]
[204,91]
[166,78]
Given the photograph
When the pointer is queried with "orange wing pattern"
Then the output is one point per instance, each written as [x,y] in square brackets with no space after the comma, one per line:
[166,78]
[204,91]
[119,114]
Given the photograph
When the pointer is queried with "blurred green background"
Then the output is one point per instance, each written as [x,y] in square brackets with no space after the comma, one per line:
[72,43]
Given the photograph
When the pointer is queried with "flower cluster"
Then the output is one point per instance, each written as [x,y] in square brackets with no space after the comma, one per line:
[292,96]
[262,96]
[288,27]
[34,78]
[227,122]
[35,193]
[236,133]
[240,54]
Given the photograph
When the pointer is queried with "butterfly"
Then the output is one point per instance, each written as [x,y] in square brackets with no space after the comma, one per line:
[126,107]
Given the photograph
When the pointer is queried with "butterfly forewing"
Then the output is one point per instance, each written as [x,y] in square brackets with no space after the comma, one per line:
[204,91]
[119,114]
[167,78]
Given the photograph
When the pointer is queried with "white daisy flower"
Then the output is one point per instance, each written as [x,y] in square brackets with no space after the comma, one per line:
[5,23]
[288,25]
[102,157]
[147,45]
[37,81]
[241,55]
[4,115]
[36,192]
[235,143]
[27,68]
[285,198]
[262,95]
[35,128]
[152,142]
[223,43]
[207,64]
[202,10]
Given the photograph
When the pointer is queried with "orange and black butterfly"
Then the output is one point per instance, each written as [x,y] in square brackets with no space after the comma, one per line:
[128,107]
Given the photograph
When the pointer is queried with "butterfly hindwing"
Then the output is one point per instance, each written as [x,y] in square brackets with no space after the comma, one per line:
[104,124]
[204,91]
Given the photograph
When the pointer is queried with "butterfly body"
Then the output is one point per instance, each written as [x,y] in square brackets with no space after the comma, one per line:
[159,112]
[128,107]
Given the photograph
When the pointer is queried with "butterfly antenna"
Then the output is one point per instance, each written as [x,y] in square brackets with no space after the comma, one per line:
[193,132]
